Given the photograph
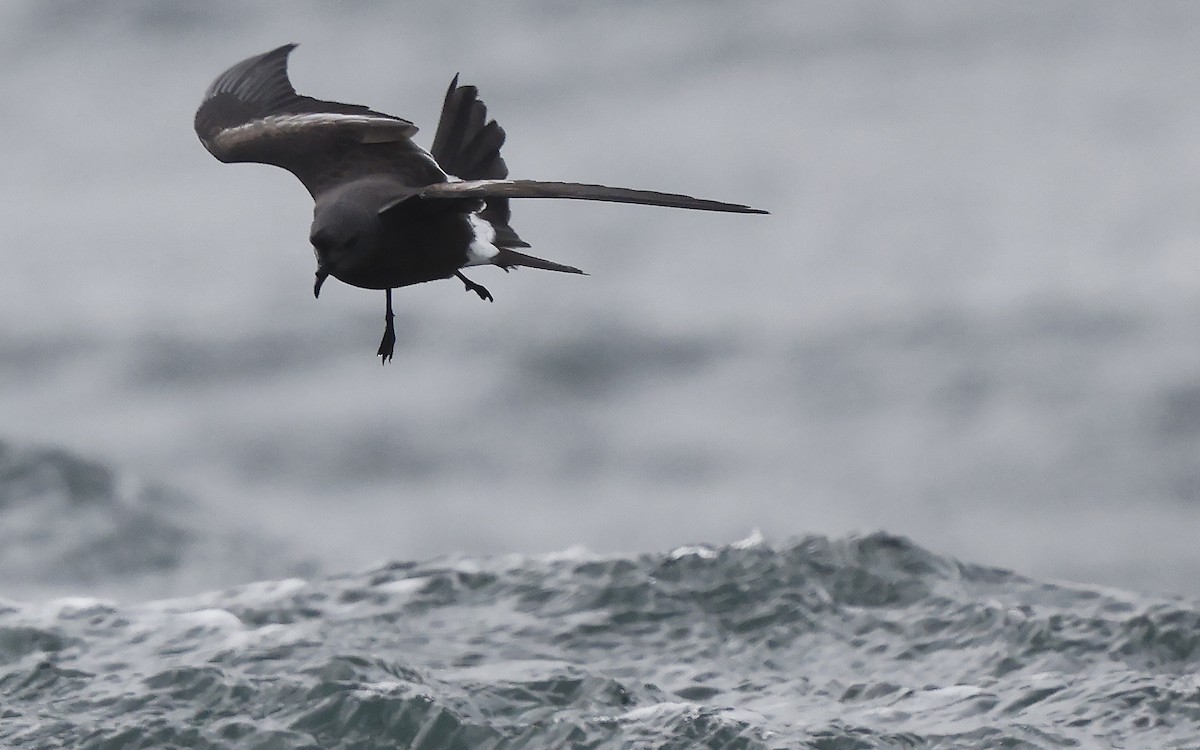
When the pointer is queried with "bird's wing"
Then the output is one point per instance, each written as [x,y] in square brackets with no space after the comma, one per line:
[467,145]
[572,190]
[251,113]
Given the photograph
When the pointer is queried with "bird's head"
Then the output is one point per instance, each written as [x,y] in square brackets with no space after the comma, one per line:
[344,237]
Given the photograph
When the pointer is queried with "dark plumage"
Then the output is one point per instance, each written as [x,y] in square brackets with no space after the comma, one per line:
[388,213]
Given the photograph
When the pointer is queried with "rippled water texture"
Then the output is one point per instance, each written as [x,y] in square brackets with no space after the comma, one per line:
[859,643]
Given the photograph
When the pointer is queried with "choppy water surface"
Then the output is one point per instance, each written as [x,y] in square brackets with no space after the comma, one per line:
[857,643]
[860,642]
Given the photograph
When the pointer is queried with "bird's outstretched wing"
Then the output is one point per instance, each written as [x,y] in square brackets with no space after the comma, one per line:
[251,113]
[467,143]
[571,190]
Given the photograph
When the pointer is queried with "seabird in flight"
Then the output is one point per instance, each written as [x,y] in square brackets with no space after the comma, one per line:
[387,212]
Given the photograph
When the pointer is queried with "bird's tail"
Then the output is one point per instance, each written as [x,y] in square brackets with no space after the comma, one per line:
[467,146]
[508,258]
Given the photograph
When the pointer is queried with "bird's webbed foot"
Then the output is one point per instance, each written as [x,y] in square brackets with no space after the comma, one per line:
[479,289]
[388,344]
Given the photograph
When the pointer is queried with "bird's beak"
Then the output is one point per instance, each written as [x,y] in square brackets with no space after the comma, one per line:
[322,274]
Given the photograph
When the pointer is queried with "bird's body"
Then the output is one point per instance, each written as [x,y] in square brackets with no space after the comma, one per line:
[387,213]
[348,216]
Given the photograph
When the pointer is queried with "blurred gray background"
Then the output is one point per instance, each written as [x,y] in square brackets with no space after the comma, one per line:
[973,316]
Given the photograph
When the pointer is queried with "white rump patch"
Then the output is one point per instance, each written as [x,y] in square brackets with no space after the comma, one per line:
[481,250]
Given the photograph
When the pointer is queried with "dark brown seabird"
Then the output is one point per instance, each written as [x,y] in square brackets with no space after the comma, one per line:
[387,212]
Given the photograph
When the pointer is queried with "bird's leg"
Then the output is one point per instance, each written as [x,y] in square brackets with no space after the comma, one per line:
[389,333]
[479,289]
[322,274]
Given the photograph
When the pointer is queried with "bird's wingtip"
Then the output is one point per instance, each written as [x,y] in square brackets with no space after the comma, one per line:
[283,49]
[450,90]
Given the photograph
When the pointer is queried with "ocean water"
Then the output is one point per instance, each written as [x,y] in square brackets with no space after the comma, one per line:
[967,332]
[869,642]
